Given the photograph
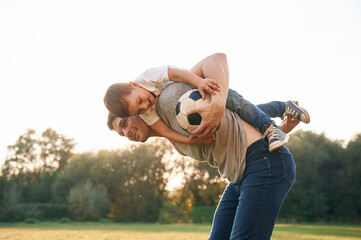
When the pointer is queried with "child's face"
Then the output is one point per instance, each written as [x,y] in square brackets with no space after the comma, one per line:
[139,100]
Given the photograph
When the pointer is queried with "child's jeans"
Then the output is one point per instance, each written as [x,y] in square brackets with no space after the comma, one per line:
[258,116]
[248,210]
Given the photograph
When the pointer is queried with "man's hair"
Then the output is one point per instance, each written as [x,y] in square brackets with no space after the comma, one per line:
[111,118]
[114,99]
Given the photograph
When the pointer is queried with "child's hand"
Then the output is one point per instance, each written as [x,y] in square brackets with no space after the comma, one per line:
[208,85]
[196,140]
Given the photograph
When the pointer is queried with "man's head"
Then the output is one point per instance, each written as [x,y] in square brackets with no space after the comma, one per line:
[134,128]
[127,99]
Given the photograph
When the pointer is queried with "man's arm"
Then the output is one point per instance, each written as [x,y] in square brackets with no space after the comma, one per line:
[214,67]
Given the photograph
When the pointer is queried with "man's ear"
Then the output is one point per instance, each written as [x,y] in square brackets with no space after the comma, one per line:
[133,84]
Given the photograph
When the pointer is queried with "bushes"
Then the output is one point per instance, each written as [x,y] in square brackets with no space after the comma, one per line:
[88,202]
[133,182]
[170,213]
[203,214]
[53,211]
[65,220]
[31,220]
[38,211]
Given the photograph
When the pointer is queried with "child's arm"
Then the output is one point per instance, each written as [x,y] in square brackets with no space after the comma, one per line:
[203,84]
[162,129]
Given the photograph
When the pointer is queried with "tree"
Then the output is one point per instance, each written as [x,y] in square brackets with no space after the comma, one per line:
[32,153]
[56,150]
[133,178]
[22,156]
[76,172]
[10,210]
[202,186]
[32,161]
[88,202]
[349,183]
[315,194]
[137,185]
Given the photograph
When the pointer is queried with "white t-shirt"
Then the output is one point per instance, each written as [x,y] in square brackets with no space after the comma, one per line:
[154,80]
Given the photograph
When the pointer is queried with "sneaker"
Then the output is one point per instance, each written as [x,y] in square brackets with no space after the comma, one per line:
[276,138]
[296,112]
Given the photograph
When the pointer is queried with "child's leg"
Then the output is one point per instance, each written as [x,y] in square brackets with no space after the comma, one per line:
[259,118]
[280,109]
[273,109]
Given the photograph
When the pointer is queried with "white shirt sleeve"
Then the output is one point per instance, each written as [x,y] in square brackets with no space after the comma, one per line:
[154,79]
[150,116]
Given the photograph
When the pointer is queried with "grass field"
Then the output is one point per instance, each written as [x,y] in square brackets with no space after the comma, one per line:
[110,231]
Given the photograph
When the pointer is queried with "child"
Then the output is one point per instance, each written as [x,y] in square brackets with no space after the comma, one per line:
[138,97]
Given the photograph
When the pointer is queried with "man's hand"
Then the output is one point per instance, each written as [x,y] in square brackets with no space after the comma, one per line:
[213,67]
[212,115]
[288,123]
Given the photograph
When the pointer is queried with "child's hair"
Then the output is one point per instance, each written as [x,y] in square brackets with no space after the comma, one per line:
[114,99]
[111,118]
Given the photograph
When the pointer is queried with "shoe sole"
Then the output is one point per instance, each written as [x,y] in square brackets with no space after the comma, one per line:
[307,116]
[279,144]
[304,111]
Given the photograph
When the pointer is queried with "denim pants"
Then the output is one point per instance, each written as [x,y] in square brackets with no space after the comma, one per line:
[258,116]
[248,209]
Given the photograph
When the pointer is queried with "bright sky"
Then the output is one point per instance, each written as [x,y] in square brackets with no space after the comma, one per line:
[57,58]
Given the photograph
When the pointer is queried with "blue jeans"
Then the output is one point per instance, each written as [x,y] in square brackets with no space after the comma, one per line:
[258,116]
[248,210]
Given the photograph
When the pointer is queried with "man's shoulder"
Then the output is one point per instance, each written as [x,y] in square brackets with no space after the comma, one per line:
[169,97]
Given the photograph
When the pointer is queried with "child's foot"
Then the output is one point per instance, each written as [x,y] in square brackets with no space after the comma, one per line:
[276,138]
[297,112]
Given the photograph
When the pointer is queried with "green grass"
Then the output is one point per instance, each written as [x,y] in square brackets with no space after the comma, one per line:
[333,230]
[138,231]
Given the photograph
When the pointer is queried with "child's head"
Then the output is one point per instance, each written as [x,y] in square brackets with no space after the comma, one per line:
[111,119]
[127,99]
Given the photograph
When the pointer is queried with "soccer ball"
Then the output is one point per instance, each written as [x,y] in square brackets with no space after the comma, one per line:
[187,102]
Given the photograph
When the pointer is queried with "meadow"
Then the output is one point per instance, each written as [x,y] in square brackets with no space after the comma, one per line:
[112,231]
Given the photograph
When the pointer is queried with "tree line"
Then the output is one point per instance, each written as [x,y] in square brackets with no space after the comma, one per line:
[43,179]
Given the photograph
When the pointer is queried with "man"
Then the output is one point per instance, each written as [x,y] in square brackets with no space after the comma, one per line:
[259,179]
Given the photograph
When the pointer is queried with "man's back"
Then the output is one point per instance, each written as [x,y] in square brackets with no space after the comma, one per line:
[227,152]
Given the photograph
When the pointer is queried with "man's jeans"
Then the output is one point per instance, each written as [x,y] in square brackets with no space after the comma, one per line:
[248,210]
[258,116]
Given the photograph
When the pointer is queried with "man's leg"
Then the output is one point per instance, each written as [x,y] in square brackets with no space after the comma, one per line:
[224,216]
[264,186]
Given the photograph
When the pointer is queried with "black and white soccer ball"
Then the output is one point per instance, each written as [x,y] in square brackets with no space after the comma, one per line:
[187,102]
